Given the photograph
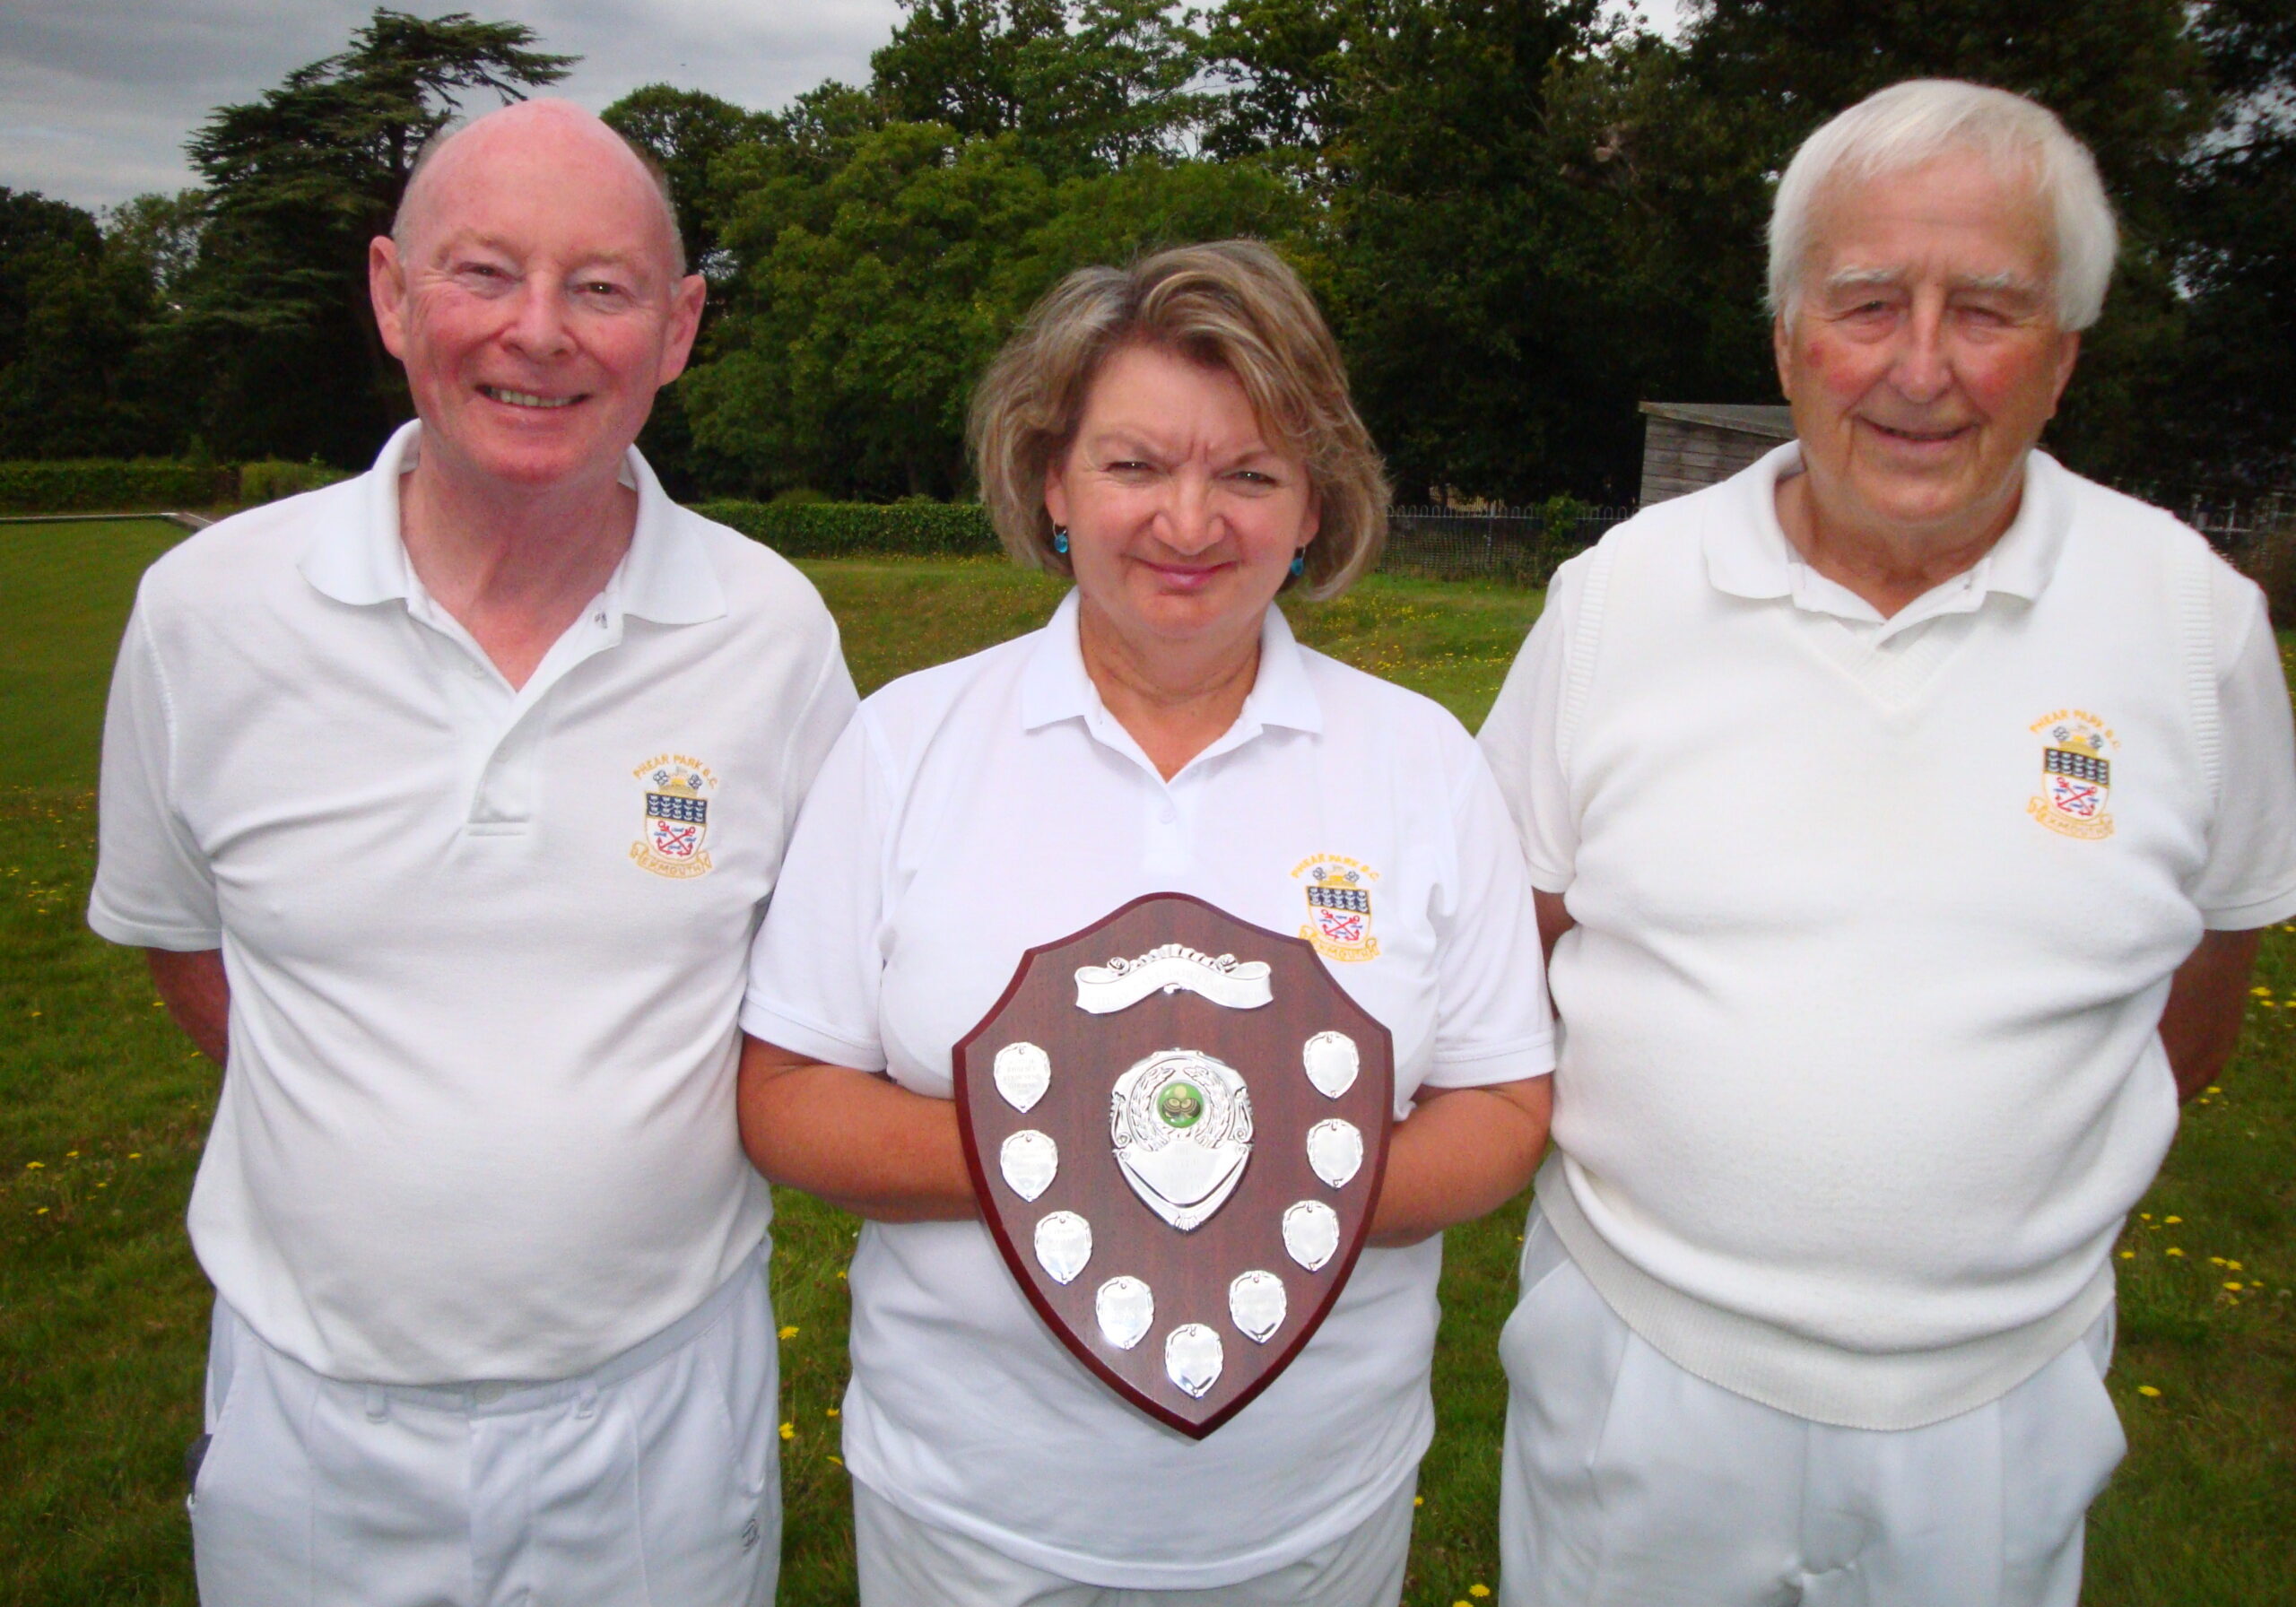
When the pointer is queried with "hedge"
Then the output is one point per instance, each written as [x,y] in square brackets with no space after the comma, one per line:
[271,478]
[101,485]
[849,529]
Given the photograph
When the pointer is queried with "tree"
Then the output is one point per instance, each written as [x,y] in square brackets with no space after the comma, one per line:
[870,302]
[1467,274]
[73,315]
[1080,84]
[687,132]
[2232,416]
[298,182]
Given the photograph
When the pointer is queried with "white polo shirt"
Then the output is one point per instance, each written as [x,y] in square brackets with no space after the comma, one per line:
[977,809]
[486,946]
[1875,920]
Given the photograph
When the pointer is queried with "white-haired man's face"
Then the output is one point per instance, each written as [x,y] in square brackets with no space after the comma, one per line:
[1922,354]
[534,299]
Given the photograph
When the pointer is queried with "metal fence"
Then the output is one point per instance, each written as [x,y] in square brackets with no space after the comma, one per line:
[1521,546]
[2233,522]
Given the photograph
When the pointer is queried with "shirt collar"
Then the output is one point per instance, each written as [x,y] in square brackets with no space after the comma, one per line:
[1056,685]
[665,576]
[1748,554]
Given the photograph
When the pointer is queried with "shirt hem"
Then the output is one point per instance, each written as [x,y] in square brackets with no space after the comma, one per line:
[802,1037]
[1107,1574]
[1487,1071]
[136,935]
[2251,913]
[1804,1377]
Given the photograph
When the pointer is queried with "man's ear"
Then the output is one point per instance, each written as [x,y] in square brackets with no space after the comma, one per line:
[686,300]
[386,289]
[1781,350]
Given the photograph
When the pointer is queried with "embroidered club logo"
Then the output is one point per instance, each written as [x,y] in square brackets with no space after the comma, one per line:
[2076,774]
[1339,906]
[676,820]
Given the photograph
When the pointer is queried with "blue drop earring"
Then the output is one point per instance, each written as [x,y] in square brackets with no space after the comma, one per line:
[1060,539]
[1299,563]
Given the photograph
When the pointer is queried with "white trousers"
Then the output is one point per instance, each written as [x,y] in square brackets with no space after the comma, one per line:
[653,1481]
[904,1562]
[1628,1482]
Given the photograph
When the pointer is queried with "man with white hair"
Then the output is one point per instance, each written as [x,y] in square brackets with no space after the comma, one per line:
[446,801]
[1905,810]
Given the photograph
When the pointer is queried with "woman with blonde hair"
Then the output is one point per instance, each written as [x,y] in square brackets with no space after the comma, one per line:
[1176,438]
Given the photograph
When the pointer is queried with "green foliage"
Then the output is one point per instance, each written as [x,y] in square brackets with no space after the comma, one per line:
[74,311]
[879,278]
[298,182]
[687,132]
[1080,85]
[110,486]
[816,529]
[269,479]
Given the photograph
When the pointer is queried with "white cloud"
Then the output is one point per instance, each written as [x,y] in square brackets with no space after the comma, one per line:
[99,95]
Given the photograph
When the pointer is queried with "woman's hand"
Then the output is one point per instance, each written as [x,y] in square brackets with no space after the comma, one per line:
[855,1139]
[1462,1152]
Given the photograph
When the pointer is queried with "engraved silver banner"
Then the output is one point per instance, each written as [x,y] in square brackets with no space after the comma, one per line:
[1103,990]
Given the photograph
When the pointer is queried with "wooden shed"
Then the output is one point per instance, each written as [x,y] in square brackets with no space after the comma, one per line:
[1687,446]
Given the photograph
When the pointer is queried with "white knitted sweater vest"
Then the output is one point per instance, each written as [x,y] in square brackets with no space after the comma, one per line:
[1861,1072]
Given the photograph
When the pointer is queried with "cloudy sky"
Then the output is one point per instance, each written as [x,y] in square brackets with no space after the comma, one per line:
[97,96]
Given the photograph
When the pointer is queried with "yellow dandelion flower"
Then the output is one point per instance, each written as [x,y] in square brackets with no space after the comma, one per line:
[2173,1221]
[1478,1591]
[2231,1266]
[2235,1285]
[2129,1255]
[2148,1392]
[2214,1089]
[789,1431]
[1419,1500]
[2261,993]
[840,1461]
[41,1211]
[2216,1261]
[135,1154]
[71,1154]
[2143,1216]
[790,1332]
[832,1411]
[840,1276]
[35,1165]
[2172,1250]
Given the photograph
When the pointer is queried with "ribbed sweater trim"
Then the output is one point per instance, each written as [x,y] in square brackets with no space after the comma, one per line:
[1792,1373]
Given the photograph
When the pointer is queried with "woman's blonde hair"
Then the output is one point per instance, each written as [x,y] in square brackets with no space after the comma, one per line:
[1232,305]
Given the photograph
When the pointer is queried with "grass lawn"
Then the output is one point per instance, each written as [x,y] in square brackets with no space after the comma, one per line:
[103,1313]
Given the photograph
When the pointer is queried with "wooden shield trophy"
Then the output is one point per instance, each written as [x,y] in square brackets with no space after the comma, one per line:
[1177,1123]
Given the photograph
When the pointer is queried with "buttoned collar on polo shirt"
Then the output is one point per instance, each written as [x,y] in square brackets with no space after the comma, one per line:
[665,576]
[1748,553]
[1056,686]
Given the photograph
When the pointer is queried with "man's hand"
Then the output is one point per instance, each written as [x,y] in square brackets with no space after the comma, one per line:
[2200,1026]
[197,995]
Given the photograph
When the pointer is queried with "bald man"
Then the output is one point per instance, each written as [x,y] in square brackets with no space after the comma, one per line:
[445,802]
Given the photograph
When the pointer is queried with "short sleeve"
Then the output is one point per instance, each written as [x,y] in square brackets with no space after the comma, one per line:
[2250,877]
[153,888]
[817,963]
[1521,738]
[828,711]
[1493,1024]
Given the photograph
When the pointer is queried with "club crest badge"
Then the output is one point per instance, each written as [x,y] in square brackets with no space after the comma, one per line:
[1339,906]
[675,824]
[2076,774]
